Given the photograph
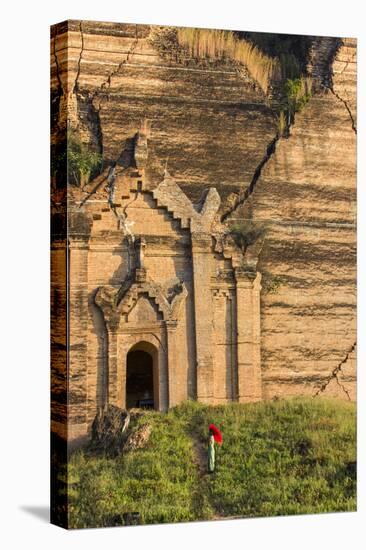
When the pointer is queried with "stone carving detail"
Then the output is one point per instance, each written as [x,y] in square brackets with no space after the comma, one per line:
[204,223]
[223,292]
[225,275]
[114,305]
[225,246]
[170,196]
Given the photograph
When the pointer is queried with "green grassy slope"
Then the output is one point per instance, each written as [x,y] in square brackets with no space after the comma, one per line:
[284,457]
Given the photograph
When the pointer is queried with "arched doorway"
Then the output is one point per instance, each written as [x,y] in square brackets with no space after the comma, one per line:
[141,377]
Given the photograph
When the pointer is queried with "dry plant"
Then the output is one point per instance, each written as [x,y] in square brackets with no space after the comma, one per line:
[183,43]
[215,44]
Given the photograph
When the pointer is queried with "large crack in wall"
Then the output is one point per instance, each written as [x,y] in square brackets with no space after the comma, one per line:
[353,123]
[57,66]
[243,195]
[56,96]
[335,373]
[86,109]
[91,103]
[322,68]
[120,66]
[76,84]
[323,54]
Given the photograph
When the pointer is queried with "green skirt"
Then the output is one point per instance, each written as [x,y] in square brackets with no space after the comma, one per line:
[211,458]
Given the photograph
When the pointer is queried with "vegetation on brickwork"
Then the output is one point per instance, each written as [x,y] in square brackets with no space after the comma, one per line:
[74,161]
[165,41]
[270,282]
[247,232]
[294,95]
[82,162]
[283,457]
[292,50]
[297,93]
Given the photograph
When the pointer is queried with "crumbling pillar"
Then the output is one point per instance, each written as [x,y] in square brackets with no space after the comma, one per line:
[203,312]
[77,337]
[114,396]
[173,362]
[248,335]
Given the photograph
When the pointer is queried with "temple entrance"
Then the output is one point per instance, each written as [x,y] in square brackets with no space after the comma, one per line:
[141,383]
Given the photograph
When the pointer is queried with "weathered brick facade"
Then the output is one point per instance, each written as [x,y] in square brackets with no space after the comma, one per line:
[153,272]
[148,262]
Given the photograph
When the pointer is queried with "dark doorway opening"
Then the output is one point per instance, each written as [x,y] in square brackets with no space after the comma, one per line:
[139,380]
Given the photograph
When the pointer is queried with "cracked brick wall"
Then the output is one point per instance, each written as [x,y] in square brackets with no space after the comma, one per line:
[307,192]
[196,113]
[212,128]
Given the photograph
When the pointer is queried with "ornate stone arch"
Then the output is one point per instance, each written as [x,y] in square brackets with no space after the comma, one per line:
[116,304]
[113,307]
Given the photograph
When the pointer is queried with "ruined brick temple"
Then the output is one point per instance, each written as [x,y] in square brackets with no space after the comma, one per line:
[171,296]
[166,301]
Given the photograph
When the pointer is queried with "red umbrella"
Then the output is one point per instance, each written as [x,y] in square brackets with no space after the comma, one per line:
[216,433]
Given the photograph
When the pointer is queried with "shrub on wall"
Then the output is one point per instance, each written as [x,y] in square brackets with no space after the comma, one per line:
[73,161]
[82,163]
[246,233]
[298,93]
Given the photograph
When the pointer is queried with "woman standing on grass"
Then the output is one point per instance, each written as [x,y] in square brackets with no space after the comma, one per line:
[214,436]
[211,452]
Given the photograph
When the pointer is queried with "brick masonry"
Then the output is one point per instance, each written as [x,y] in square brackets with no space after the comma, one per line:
[147,262]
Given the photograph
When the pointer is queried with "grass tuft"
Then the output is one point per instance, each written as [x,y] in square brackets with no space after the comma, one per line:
[216,44]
